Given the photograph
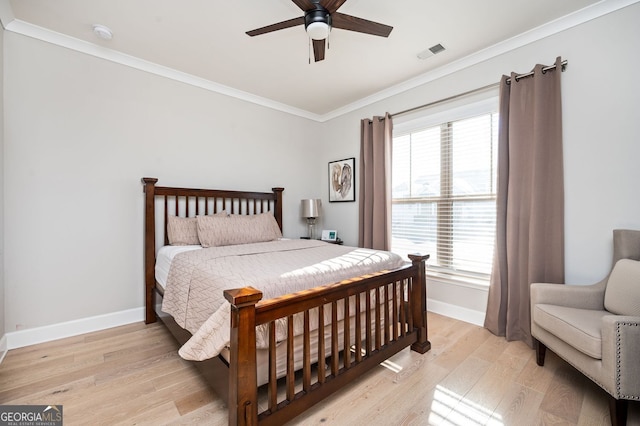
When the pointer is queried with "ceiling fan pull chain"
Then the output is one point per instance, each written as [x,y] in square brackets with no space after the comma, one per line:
[309,50]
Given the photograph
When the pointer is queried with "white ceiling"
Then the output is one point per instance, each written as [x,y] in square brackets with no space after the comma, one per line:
[203,42]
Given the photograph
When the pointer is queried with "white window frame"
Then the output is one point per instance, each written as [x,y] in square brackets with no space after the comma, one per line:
[460,109]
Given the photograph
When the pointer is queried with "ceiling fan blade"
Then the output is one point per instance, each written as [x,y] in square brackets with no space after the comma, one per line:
[318,50]
[352,23]
[275,27]
[332,5]
[304,5]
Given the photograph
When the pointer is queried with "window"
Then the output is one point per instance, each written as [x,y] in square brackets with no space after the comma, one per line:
[444,190]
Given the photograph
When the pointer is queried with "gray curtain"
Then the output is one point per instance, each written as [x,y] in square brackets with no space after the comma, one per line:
[375,183]
[530,205]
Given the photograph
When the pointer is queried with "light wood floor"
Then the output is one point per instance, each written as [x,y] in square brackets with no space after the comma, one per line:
[132,375]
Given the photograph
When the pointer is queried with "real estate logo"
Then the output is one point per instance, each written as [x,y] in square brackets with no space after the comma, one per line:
[30,415]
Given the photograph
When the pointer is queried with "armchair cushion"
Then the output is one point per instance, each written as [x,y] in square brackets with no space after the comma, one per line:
[622,296]
[580,328]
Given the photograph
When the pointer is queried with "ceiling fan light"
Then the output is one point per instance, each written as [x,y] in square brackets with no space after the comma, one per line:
[318,30]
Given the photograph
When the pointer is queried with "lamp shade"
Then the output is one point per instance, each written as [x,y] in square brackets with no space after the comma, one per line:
[318,30]
[311,208]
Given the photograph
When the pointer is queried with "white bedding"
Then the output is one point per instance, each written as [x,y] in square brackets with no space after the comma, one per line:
[165,257]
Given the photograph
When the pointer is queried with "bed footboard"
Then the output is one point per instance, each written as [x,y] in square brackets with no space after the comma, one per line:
[389,311]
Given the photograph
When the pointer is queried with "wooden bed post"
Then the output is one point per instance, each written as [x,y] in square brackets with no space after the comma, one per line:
[243,375]
[278,205]
[419,303]
[149,248]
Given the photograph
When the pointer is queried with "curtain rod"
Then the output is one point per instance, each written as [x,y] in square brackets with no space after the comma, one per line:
[478,90]
[563,65]
[450,98]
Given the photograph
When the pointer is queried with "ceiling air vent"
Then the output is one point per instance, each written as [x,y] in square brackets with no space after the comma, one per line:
[431,51]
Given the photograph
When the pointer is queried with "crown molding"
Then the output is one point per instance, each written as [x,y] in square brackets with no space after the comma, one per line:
[576,18]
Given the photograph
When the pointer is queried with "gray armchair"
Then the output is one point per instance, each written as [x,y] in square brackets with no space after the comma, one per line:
[596,328]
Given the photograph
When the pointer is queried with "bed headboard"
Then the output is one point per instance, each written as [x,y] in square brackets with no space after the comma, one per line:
[162,201]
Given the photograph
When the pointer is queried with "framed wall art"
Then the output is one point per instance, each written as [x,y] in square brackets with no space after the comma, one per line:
[342,180]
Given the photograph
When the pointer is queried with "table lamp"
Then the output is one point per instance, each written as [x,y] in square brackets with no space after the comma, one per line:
[311,211]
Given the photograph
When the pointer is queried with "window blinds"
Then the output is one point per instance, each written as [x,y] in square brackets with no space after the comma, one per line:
[444,193]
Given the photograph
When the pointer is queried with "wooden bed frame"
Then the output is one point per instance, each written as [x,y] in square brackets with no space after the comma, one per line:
[399,318]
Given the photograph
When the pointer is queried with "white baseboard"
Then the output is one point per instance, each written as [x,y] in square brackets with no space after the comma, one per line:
[32,336]
[457,312]
[3,347]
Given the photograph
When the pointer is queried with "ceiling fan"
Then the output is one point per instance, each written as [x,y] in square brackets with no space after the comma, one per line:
[319,17]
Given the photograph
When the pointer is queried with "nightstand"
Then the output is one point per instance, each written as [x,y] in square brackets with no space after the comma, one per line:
[337,241]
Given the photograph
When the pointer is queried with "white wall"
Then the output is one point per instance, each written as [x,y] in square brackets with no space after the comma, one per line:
[601,137]
[80,133]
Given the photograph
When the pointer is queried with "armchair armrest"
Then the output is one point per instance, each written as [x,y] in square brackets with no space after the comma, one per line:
[620,349]
[571,296]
